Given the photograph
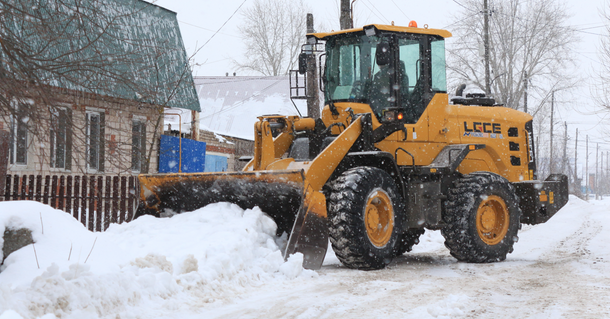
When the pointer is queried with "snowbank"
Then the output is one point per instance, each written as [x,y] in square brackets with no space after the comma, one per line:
[146,268]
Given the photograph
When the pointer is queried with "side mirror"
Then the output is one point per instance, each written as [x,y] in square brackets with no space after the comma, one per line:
[302,63]
[382,54]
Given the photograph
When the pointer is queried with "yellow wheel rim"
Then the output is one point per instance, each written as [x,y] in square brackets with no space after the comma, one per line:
[492,220]
[379,218]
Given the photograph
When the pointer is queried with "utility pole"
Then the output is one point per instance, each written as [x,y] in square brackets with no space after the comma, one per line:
[551,150]
[587,170]
[596,173]
[525,94]
[313,102]
[486,45]
[602,180]
[576,184]
[345,20]
[565,149]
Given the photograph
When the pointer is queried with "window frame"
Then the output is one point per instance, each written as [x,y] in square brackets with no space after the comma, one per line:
[88,156]
[15,121]
[138,154]
[63,115]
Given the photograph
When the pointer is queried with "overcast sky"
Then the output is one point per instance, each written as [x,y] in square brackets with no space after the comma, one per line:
[199,20]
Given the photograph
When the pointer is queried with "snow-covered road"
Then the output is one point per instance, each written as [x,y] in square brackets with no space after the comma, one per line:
[221,262]
[560,269]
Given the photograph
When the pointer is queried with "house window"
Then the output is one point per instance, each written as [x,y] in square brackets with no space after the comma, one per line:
[61,139]
[95,141]
[138,146]
[18,151]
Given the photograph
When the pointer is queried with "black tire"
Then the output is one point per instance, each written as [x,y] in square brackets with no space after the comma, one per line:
[365,212]
[408,239]
[483,218]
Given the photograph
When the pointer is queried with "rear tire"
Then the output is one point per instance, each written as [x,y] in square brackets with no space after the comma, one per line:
[483,218]
[365,216]
[408,239]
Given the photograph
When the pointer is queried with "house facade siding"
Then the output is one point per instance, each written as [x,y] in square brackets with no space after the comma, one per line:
[115,150]
[102,119]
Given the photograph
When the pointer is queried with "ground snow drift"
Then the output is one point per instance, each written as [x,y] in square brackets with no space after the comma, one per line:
[224,262]
[147,268]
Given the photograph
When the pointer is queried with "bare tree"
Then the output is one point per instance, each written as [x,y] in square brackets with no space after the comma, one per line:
[530,49]
[602,89]
[273,32]
[53,53]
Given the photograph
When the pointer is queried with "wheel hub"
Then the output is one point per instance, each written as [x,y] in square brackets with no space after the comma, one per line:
[379,218]
[492,220]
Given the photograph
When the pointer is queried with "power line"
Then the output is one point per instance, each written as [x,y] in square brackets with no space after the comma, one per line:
[206,29]
[382,17]
[571,28]
[465,7]
[210,39]
[401,10]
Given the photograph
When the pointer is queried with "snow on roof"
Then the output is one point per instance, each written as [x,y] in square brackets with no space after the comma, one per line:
[230,105]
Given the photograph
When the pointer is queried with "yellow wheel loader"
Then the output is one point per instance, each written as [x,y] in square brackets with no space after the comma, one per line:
[390,157]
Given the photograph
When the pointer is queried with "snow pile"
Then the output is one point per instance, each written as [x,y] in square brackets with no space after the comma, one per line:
[147,268]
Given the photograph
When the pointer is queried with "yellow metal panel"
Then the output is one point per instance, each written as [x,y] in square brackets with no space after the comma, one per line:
[327,161]
[489,126]
[304,124]
[474,164]
[315,203]
[282,143]
[543,196]
[328,118]
[279,164]
[264,148]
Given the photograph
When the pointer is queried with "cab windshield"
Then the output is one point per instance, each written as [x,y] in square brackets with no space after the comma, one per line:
[393,78]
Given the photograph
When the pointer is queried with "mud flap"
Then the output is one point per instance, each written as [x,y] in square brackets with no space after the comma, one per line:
[309,234]
[539,201]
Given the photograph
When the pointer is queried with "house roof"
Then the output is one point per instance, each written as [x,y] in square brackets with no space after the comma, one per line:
[230,105]
[128,49]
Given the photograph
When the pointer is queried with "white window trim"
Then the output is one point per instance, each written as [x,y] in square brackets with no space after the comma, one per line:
[13,133]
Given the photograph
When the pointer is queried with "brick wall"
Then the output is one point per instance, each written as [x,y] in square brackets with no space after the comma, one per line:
[118,114]
[232,147]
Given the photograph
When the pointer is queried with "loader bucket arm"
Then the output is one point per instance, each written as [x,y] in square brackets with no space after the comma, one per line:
[309,235]
[289,192]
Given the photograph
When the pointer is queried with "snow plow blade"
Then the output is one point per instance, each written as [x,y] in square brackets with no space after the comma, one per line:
[280,194]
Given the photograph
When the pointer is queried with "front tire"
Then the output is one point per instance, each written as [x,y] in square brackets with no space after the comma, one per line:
[408,239]
[483,218]
[365,213]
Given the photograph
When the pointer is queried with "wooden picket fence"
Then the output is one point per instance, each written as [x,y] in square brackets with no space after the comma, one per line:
[96,201]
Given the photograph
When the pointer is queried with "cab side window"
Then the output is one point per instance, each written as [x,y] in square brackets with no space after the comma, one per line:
[410,78]
[439,75]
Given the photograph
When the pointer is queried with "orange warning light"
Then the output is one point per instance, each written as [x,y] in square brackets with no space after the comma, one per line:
[400,116]
[413,24]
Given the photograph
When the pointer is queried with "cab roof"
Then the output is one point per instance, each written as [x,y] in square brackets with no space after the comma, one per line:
[383,27]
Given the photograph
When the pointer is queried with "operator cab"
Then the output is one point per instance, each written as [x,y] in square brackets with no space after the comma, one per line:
[395,71]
